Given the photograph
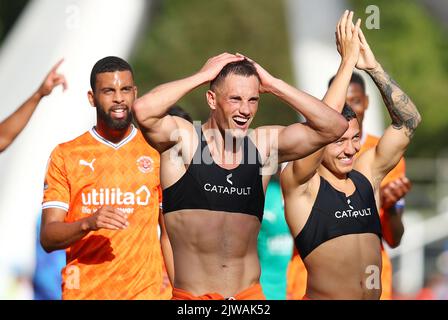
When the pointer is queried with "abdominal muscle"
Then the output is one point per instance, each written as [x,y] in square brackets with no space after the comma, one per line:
[214,251]
[346,267]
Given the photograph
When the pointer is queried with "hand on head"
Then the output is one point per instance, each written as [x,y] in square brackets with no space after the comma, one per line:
[266,79]
[214,65]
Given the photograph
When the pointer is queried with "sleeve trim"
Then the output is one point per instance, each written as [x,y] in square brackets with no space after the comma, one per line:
[55,204]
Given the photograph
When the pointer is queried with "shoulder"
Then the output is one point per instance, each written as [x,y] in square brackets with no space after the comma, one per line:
[66,147]
[291,187]
[265,138]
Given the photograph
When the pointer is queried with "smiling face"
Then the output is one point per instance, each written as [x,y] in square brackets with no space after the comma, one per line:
[234,103]
[339,156]
[113,98]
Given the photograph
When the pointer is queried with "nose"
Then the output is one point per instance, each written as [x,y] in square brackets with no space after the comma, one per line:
[244,109]
[350,148]
[118,97]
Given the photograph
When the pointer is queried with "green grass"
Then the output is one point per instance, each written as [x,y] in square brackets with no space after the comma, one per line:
[413,48]
[184,34]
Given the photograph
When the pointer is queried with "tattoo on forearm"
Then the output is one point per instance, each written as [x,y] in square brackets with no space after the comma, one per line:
[401,108]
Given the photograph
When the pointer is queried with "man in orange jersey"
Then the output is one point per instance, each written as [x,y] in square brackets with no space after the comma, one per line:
[101,200]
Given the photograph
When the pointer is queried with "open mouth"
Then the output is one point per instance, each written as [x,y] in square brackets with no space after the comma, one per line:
[240,121]
[346,160]
[119,112]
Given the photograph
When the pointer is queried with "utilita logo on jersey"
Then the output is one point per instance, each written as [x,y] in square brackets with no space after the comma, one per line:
[230,190]
[114,197]
[352,213]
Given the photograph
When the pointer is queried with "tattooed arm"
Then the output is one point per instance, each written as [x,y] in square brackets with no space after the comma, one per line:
[404,115]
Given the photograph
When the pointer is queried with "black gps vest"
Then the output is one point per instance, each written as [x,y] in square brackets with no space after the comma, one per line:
[333,214]
[205,185]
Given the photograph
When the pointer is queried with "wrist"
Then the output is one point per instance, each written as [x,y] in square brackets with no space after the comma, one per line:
[273,86]
[348,63]
[37,95]
[200,78]
[85,225]
[374,69]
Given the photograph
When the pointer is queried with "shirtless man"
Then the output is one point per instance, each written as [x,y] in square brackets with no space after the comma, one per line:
[331,202]
[214,178]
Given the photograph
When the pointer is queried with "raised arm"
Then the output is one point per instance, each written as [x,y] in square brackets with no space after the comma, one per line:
[324,125]
[151,109]
[404,115]
[347,42]
[16,122]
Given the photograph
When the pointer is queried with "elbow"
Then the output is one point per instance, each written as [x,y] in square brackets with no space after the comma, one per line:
[341,127]
[395,240]
[142,112]
[336,129]
[46,244]
[4,144]
[394,243]
[413,123]
[47,248]
[138,110]
[418,119]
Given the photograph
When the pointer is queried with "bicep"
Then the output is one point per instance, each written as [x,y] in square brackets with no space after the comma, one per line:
[389,151]
[298,141]
[51,215]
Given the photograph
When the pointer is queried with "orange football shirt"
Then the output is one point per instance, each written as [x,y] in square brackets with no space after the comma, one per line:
[82,176]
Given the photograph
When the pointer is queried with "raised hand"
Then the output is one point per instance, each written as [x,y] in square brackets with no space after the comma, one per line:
[367,60]
[214,65]
[266,79]
[52,80]
[347,38]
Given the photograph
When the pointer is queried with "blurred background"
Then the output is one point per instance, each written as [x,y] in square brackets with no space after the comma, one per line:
[169,39]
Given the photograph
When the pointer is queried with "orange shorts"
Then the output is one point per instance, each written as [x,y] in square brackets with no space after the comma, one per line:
[253,293]
[306,298]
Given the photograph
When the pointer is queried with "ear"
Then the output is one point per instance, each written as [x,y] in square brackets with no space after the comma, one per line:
[90,96]
[135,92]
[211,99]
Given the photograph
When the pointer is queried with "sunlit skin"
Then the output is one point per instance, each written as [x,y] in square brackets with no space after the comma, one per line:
[234,104]
[215,251]
[339,156]
[393,230]
[114,96]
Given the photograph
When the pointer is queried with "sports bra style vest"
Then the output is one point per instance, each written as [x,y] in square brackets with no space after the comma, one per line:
[333,214]
[207,186]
